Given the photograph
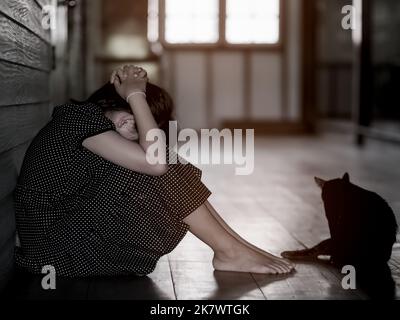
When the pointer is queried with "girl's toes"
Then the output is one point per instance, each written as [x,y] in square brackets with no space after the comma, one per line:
[280,269]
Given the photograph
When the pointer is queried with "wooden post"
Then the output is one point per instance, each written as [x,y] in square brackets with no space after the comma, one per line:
[363,68]
[76,51]
[308,65]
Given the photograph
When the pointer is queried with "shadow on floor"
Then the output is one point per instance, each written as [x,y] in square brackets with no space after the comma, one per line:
[232,287]
[28,287]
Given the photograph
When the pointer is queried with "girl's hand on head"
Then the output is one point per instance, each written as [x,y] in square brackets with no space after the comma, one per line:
[129,79]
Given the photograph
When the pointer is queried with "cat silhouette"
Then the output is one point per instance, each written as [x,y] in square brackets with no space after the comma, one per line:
[363,230]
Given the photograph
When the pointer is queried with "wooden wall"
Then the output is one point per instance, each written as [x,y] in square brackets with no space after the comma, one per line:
[25,65]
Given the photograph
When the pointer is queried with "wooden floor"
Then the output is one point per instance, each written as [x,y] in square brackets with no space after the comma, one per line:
[277,208]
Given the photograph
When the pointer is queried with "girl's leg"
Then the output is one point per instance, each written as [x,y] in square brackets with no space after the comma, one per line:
[229,253]
[232,232]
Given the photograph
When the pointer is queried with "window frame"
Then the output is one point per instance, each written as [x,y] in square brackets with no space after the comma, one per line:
[221,43]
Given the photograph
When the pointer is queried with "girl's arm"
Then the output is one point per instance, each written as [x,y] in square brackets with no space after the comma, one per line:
[115,148]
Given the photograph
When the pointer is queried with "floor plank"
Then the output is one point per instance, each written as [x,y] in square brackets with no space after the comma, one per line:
[156,286]
[197,280]
[310,282]
[29,287]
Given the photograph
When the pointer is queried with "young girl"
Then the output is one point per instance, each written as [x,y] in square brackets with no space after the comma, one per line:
[88,202]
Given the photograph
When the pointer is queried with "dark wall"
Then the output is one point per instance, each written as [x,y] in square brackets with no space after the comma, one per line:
[334,55]
[25,65]
[386,59]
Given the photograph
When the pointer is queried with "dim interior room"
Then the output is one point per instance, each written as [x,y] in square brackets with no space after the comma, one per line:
[320,97]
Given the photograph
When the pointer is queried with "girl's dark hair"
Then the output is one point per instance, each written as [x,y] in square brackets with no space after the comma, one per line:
[160,102]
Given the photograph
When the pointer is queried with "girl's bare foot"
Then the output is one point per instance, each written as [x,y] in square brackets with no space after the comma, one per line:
[216,215]
[241,258]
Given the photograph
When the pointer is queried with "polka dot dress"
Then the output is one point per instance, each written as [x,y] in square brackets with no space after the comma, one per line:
[89,217]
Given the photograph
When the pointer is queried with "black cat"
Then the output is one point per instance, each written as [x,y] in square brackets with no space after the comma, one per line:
[363,230]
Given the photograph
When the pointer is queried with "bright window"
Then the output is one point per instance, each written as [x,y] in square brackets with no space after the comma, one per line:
[252,21]
[152,20]
[191,21]
[198,21]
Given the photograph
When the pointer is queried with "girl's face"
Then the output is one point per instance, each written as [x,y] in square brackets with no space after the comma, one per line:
[124,123]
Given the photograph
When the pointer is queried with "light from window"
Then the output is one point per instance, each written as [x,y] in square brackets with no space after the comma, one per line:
[252,21]
[191,21]
[152,21]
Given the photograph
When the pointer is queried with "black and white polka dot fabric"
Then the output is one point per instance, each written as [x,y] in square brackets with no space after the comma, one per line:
[87,216]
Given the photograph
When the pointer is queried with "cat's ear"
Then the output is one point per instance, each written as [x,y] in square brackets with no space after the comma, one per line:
[320,182]
[346,177]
